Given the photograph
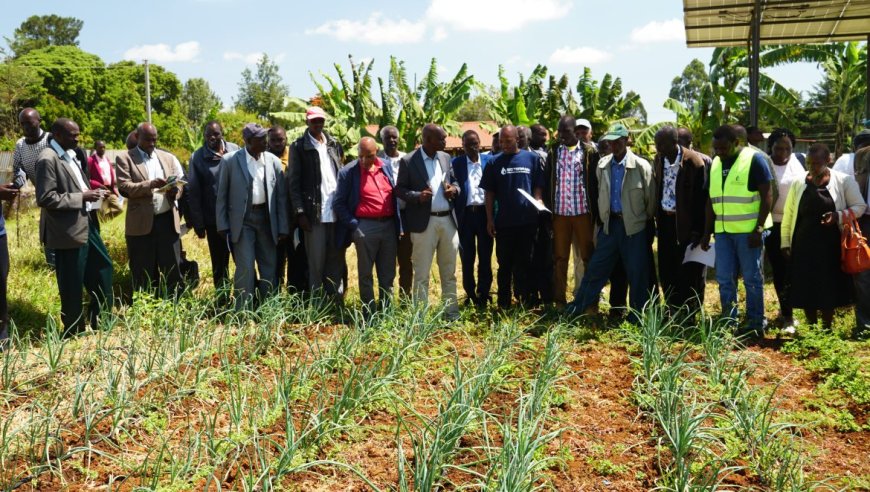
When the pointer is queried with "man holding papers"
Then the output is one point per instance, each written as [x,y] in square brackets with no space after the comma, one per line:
[681,181]
[510,180]
[626,202]
[153,223]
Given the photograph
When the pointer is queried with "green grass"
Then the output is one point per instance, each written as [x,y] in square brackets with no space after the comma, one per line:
[172,395]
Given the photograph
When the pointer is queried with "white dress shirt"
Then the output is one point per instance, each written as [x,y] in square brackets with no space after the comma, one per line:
[476,194]
[328,180]
[155,171]
[436,178]
[257,169]
[75,168]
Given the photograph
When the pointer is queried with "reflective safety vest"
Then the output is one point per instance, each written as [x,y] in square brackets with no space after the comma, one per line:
[736,207]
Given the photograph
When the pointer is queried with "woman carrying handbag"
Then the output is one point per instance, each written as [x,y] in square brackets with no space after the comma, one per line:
[814,209]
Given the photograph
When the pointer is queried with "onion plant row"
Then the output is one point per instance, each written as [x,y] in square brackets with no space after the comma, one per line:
[692,380]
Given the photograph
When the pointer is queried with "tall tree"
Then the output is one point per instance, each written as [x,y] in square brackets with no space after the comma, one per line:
[40,31]
[689,86]
[603,103]
[198,101]
[19,87]
[262,92]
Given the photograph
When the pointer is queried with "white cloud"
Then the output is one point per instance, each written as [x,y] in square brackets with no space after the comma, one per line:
[494,15]
[164,53]
[440,34]
[375,30]
[579,56]
[657,32]
[251,58]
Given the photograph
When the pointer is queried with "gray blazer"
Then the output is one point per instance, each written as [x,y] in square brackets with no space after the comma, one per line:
[234,194]
[59,195]
[413,178]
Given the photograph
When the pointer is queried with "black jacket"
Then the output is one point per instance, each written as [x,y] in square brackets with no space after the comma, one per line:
[303,175]
[202,185]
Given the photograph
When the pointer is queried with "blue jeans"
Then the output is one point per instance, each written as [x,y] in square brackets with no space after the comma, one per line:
[733,256]
[634,251]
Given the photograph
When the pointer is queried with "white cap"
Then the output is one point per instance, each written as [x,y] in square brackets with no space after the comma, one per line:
[582,122]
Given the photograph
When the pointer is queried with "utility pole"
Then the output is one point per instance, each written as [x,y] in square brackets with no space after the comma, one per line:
[147,92]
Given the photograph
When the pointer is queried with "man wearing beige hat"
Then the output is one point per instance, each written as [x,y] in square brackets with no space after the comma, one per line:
[312,178]
[251,210]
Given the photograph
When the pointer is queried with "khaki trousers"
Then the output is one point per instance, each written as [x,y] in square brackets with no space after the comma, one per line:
[442,239]
[568,230]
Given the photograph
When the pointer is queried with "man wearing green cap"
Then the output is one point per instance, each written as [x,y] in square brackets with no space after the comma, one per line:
[626,202]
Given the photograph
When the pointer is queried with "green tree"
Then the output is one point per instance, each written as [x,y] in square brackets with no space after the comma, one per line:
[71,82]
[198,101]
[688,87]
[262,92]
[603,103]
[844,87]
[19,87]
[433,101]
[476,108]
[40,31]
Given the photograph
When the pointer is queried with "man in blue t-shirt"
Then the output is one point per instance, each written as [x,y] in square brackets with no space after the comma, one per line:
[514,225]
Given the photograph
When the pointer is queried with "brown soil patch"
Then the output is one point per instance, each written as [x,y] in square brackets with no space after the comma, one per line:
[831,453]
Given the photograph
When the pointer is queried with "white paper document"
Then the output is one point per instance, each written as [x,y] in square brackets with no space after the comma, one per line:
[698,255]
[538,205]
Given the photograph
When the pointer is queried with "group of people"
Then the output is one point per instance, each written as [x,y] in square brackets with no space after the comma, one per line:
[286,215]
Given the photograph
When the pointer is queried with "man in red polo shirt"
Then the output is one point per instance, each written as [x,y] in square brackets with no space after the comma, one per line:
[368,215]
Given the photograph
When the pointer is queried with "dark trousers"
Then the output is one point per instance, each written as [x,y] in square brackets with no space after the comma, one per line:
[619,278]
[541,276]
[4,275]
[155,257]
[513,250]
[406,268]
[88,266]
[293,262]
[219,251]
[633,251]
[682,283]
[475,242]
[781,269]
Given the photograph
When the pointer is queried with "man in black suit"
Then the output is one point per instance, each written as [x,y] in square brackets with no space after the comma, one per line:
[81,258]
[428,186]
[474,240]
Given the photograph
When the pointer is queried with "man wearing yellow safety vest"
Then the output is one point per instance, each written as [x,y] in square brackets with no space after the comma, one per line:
[738,212]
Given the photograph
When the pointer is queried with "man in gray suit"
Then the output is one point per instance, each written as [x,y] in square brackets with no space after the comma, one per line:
[81,258]
[427,185]
[252,211]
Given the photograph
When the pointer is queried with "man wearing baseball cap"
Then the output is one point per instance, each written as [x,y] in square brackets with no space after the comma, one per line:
[251,210]
[583,130]
[312,178]
[626,202]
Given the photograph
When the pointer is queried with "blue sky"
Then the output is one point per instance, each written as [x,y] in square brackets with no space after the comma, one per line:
[641,41]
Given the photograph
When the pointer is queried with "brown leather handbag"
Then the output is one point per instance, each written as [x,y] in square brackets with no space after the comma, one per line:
[855,254]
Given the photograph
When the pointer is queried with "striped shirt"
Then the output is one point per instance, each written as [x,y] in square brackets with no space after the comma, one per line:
[25,155]
[570,187]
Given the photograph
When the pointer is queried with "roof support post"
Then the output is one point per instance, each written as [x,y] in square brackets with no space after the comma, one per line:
[754,49]
[867,95]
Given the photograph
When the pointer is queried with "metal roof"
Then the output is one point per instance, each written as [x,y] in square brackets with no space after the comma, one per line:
[712,23]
